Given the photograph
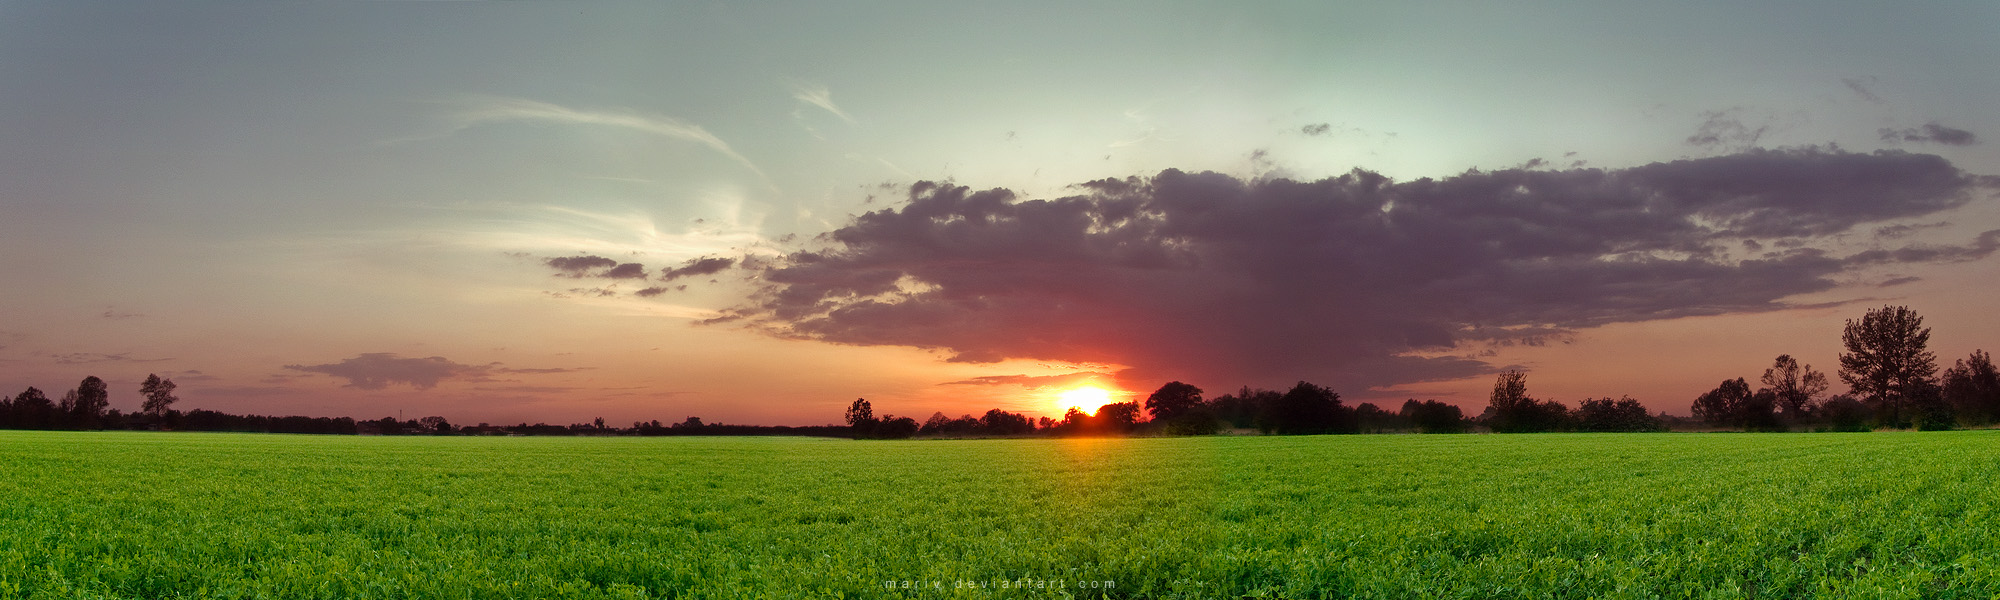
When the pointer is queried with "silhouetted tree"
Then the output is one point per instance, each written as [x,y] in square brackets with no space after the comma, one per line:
[938,424]
[440,425]
[1307,409]
[861,417]
[1844,413]
[33,410]
[1431,416]
[159,394]
[1173,400]
[1241,410]
[1886,361]
[1621,415]
[1000,422]
[1510,409]
[1732,404]
[1181,410]
[1796,386]
[87,402]
[1118,416]
[1972,388]
[892,427]
[1369,418]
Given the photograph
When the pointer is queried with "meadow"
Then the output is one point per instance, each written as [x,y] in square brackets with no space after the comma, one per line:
[186,515]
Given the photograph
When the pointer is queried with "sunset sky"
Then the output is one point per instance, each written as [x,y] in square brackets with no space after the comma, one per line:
[758,212]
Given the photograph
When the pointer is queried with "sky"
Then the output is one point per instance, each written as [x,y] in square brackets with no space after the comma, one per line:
[758,212]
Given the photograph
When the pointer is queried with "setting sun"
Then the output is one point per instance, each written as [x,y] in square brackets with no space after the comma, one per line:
[1086,398]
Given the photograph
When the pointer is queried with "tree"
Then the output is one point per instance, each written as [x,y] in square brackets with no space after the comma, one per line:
[1000,422]
[1972,388]
[1431,416]
[1621,415]
[1307,409]
[88,401]
[159,395]
[1118,416]
[1173,400]
[1886,361]
[861,417]
[1510,410]
[1732,404]
[32,409]
[1241,409]
[1844,413]
[1796,387]
[893,427]
[443,427]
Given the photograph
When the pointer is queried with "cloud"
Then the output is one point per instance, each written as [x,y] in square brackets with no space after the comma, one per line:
[1356,281]
[626,271]
[1860,87]
[650,292]
[1930,132]
[82,358]
[118,315]
[578,266]
[378,370]
[1030,381]
[1317,129]
[818,95]
[1724,129]
[698,266]
[483,110]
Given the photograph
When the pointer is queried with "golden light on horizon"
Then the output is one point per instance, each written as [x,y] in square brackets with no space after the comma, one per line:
[1087,398]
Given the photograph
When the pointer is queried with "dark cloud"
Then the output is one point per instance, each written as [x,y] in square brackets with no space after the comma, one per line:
[118,315]
[626,271]
[699,266]
[377,370]
[1317,129]
[1931,132]
[650,292]
[1895,281]
[578,266]
[1357,280]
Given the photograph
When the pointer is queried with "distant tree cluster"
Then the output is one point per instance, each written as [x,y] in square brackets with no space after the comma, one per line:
[1892,379]
[88,407]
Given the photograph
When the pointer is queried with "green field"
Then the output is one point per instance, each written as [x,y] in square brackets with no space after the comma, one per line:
[150,515]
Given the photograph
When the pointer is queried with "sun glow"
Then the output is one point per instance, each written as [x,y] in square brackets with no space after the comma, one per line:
[1085,398]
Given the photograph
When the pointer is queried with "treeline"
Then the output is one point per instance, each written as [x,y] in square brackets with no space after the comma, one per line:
[88,408]
[1306,409]
[1891,374]
[1892,378]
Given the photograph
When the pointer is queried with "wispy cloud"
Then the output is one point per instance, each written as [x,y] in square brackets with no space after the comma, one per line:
[818,95]
[79,358]
[480,110]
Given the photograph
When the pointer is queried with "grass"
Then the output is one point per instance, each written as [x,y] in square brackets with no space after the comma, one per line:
[147,515]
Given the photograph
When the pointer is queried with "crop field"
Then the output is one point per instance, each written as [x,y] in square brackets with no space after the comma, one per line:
[149,515]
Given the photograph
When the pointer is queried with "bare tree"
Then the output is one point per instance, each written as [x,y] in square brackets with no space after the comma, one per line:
[1796,386]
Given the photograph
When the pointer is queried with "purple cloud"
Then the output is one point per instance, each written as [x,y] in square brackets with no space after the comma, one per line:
[378,370]
[1931,132]
[699,266]
[1357,280]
